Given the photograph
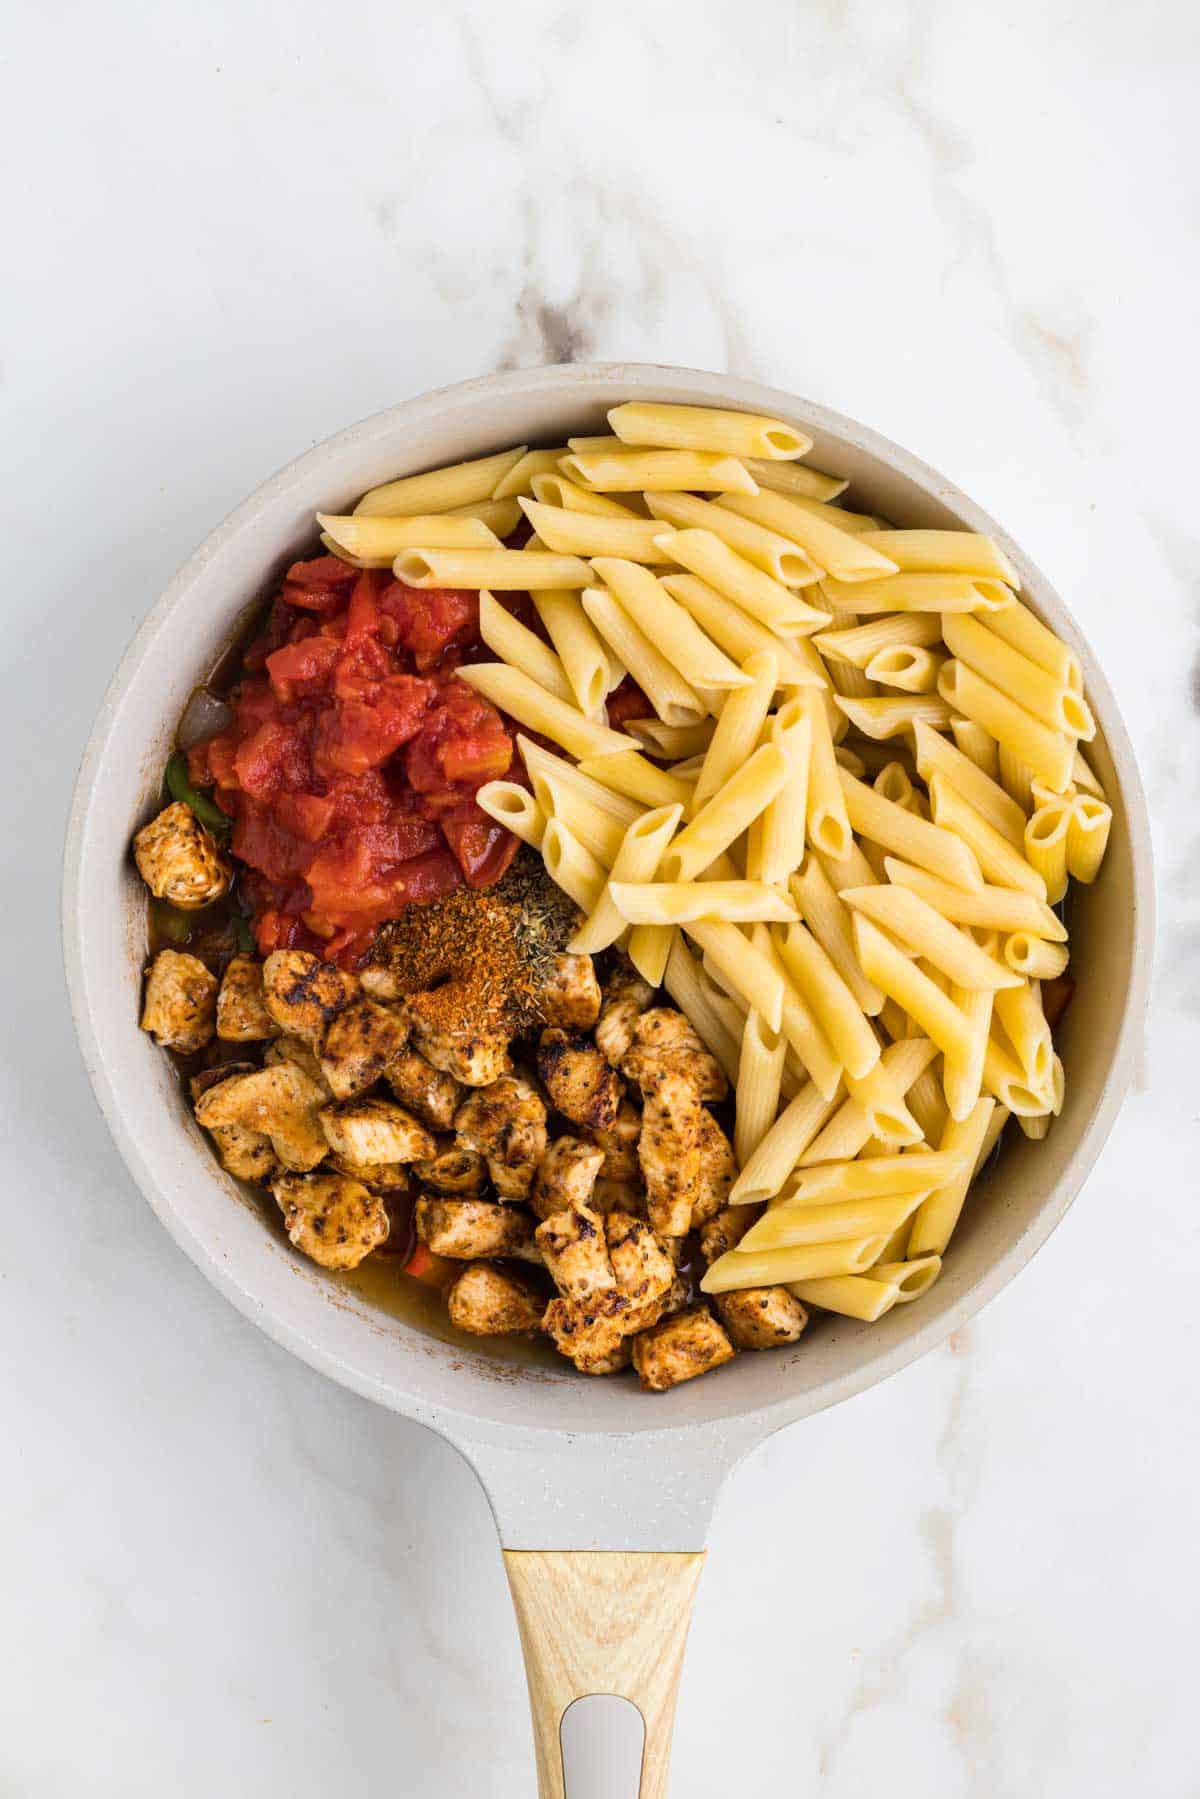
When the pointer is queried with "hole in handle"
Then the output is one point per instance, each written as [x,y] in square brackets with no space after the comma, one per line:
[602,1738]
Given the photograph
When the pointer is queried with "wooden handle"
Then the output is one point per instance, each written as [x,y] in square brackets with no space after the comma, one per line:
[595,1621]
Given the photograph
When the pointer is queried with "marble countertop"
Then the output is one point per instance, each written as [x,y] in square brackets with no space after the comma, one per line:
[230,230]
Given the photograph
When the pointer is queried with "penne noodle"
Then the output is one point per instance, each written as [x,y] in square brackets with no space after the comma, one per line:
[907,666]
[988,909]
[1087,836]
[723,817]
[944,594]
[850,760]
[771,1268]
[776,556]
[1084,778]
[823,911]
[440,490]
[710,428]
[667,471]
[850,870]
[827,820]
[1020,1015]
[553,489]
[855,522]
[1049,700]
[975,743]
[500,516]
[936,756]
[874,1177]
[505,570]
[519,478]
[809,1048]
[637,859]
[911,1277]
[571,866]
[685,902]
[672,743]
[376,542]
[669,625]
[681,978]
[915,839]
[854,1123]
[832,1220]
[1036,1128]
[649,948]
[531,706]
[543,767]
[791,478]
[1034,958]
[918,925]
[840,553]
[631,774]
[586,534]
[945,552]
[903,981]
[737,633]
[994,854]
[516,645]
[895,715]
[779,608]
[1034,640]
[1050,754]
[606,445]
[782,1147]
[776,843]
[891,1124]
[1004,1078]
[578,647]
[1017,778]
[515,808]
[760,1073]
[744,970]
[962,1069]
[834,1006]
[857,644]
[860,1296]
[675,702]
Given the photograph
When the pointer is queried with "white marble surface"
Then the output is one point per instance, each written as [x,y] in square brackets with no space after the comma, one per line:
[232,229]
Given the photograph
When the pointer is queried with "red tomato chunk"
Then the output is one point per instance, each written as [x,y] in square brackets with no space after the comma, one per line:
[352,767]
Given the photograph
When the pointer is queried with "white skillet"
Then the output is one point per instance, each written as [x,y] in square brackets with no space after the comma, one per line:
[602,1495]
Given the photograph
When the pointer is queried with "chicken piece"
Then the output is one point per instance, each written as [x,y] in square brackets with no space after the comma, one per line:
[613,1363]
[506,1123]
[578,1079]
[331,1218]
[465,1229]
[242,1016]
[669,1151]
[619,1196]
[679,1347]
[491,1303]
[718,1171]
[461,1171]
[292,1049]
[624,982]
[589,1331]
[381,984]
[360,1044]
[179,859]
[566,1176]
[570,994]
[576,1252]
[304,995]
[212,1077]
[626,997]
[663,1037]
[375,1130]
[761,1317]
[476,1058]
[246,1154]
[619,1141]
[424,1089]
[643,1269]
[280,1103]
[383,1177]
[726,1230]
[180,1007]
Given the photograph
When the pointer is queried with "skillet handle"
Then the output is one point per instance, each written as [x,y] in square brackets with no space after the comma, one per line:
[603,1621]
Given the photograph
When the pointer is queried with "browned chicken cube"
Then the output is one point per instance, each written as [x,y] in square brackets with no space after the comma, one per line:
[679,1347]
[360,1045]
[578,1079]
[669,1151]
[576,1252]
[566,1176]
[304,995]
[279,1102]
[385,1177]
[619,1196]
[570,993]
[246,1154]
[663,1038]
[461,1171]
[761,1317]
[465,1229]
[589,1331]
[179,860]
[619,1141]
[718,1171]
[626,997]
[473,1056]
[506,1123]
[180,1007]
[294,1049]
[242,1015]
[375,1130]
[726,1230]
[433,1095]
[489,1302]
[330,1217]
[643,1269]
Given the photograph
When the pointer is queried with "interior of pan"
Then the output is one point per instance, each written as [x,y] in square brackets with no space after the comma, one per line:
[344,1327]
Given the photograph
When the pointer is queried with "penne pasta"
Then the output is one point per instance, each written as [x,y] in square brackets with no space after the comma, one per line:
[914,839]
[515,808]
[1006,1080]
[857,644]
[739,635]
[791,478]
[668,471]
[722,818]
[672,743]
[853,1124]
[681,978]
[744,970]
[923,930]
[553,489]
[911,1277]
[908,666]
[771,1268]
[1034,958]
[802,1121]
[1084,777]
[669,625]
[861,1296]
[895,715]
[739,727]
[987,908]
[636,860]
[1049,700]
[544,768]
[710,428]
[1019,1013]
[994,854]
[1034,640]
[588,534]
[831,1221]
[571,866]
[504,570]
[945,552]
[516,645]
[834,1006]
[531,706]
[519,478]
[962,1069]
[975,743]
[500,516]
[1049,754]
[823,911]
[675,702]
[1087,836]
[440,490]
[944,594]
[576,644]
[779,608]
[685,902]
[903,981]
[776,842]
[810,1051]
[631,774]
[760,1073]
[376,542]
[776,556]
[827,819]
[936,756]
[874,1177]
[838,552]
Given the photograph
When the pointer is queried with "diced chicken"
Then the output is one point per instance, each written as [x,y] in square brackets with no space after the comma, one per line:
[465,1229]
[624,982]
[619,1141]
[761,1317]
[726,1230]
[375,1130]
[570,994]
[491,1303]
[330,1217]
[384,1177]
[669,1151]
[293,1049]
[576,1253]
[619,1196]
[613,1363]
[279,1102]
[381,984]
[718,1171]
[246,1154]
[242,1015]
[180,1007]
[212,1077]
[626,997]
[360,1044]
[304,995]
[476,1058]
[179,860]
[643,1269]
[433,1095]
[589,1331]
[663,1038]
[578,1079]
[506,1123]
[456,1170]
[566,1176]
[679,1347]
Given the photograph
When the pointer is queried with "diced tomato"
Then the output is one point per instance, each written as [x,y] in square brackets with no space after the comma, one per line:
[482,848]
[302,668]
[320,584]
[362,735]
[429,619]
[306,815]
[271,755]
[476,759]
[362,619]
